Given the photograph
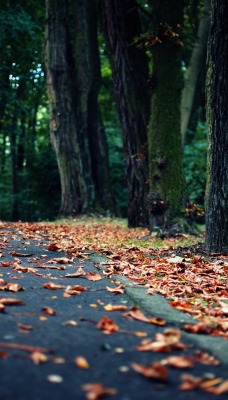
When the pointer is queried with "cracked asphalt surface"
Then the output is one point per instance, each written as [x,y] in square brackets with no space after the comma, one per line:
[109,356]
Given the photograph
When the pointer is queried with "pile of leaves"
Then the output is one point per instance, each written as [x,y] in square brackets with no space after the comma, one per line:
[177,268]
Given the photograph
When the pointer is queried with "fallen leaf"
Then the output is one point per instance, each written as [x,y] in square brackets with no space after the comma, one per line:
[155,371]
[110,307]
[53,247]
[52,286]
[220,389]
[93,276]
[79,272]
[96,390]
[10,301]
[137,314]
[107,325]
[48,311]
[81,362]
[14,287]
[16,254]
[178,362]
[38,357]
[25,328]
[116,290]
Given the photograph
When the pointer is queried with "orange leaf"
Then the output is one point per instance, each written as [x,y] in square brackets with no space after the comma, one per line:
[107,325]
[11,302]
[116,290]
[81,362]
[79,272]
[110,307]
[52,286]
[154,371]
[38,357]
[49,311]
[178,362]
[93,276]
[96,390]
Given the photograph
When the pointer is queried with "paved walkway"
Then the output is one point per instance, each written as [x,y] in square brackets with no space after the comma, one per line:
[57,341]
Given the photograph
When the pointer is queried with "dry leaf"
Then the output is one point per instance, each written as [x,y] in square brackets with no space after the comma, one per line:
[116,290]
[81,362]
[25,328]
[4,354]
[107,325]
[178,362]
[110,307]
[52,286]
[10,302]
[79,272]
[38,357]
[96,390]
[55,378]
[155,371]
[48,311]
[222,388]
[93,276]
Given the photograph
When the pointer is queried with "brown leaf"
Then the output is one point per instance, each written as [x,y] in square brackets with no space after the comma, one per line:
[116,290]
[16,254]
[52,286]
[81,362]
[53,247]
[96,390]
[178,362]
[25,328]
[2,308]
[201,327]
[93,276]
[48,311]
[79,272]
[14,287]
[107,325]
[155,371]
[222,388]
[205,358]
[10,301]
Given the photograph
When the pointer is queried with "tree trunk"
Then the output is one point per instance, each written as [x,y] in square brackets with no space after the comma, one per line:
[197,63]
[165,150]
[217,120]
[88,80]
[130,75]
[68,109]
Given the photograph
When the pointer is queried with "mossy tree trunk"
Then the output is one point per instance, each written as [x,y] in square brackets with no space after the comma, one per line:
[217,120]
[165,151]
[130,75]
[72,66]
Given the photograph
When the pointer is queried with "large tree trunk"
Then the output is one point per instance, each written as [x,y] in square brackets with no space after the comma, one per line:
[73,81]
[197,63]
[165,150]
[217,120]
[130,76]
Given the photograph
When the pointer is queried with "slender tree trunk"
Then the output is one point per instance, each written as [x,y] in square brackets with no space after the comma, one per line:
[14,171]
[197,63]
[88,79]
[130,76]
[67,99]
[165,150]
[217,120]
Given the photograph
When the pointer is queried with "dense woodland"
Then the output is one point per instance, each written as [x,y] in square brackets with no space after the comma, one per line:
[103,111]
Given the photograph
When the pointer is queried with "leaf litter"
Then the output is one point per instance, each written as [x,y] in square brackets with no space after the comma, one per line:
[193,283]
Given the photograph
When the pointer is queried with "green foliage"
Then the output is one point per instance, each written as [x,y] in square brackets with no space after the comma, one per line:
[195,155]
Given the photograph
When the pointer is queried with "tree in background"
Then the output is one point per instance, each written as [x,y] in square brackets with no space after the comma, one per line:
[73,77]
[166,197]
[130,76]
[217,120]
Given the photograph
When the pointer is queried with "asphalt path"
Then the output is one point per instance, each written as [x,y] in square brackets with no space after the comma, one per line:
[73,331]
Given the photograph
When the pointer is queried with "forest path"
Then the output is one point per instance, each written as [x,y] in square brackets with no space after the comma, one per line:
[64,336]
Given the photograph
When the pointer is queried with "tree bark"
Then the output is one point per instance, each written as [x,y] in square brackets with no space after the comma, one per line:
[130,75]
[88,78]
[73,92]
[217,120]
[197,63]
[165,150]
